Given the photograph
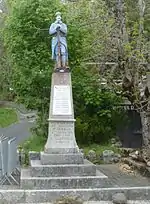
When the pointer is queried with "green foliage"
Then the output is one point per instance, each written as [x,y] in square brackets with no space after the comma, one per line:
[92,27]
[34,143]
[28,46]
[5,70]
[96,120]
[7,117]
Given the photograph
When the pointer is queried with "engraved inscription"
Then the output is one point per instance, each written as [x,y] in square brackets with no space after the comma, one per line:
[62,100]
[62,133]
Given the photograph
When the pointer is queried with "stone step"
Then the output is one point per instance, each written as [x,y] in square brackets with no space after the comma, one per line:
[39,170]
[50,195]
[28,182]
[104,202]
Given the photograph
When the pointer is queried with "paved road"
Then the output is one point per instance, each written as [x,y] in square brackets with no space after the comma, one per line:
[20,130]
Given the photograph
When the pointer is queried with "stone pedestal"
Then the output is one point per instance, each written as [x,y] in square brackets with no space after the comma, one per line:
[61,146]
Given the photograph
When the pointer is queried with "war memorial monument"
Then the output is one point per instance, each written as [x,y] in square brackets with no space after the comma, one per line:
[60,169]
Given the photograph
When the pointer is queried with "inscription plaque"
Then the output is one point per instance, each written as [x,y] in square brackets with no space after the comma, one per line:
[62,134]
[62,100]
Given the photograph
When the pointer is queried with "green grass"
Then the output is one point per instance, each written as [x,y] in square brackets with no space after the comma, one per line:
[7,117]
[34,143]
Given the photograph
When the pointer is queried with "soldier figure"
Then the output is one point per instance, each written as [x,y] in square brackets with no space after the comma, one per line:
[59,44]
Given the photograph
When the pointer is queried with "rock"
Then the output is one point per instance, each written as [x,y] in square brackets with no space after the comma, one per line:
[108,153]
[126,151]
[119,198]
[108,156]
[91,155]
[117,155]
[116,158]
[134,155]
[30,116]
[118,144]
[113,141]
[100,157]
[148,163]
[113,145]
[126,168]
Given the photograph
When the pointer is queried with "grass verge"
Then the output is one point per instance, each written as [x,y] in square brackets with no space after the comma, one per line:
[8,116]
[35,143]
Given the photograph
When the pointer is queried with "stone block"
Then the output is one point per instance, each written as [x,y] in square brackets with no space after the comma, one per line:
[12,196]
[137,193]
[39,170]
[52,195]
[91,194]
[73,182]
[34,155]
[61,158]
[61,139]
[119,198]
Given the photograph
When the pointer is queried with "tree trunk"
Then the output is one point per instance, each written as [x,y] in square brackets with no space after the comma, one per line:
[145,120]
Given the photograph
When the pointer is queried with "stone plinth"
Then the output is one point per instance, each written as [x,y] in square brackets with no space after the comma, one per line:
[61,146]
[39,170]
[64,182]
[61,158]
[61,138]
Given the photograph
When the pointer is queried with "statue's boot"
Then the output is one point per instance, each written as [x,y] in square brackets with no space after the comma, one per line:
[65,66]
[57,68]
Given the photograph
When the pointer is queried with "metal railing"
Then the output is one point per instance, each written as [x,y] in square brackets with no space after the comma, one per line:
[8,160]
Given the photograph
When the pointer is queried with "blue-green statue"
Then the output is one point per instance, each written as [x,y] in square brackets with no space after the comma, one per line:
[59,44]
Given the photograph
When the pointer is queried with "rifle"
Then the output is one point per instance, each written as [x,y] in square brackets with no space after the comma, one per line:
[59,49]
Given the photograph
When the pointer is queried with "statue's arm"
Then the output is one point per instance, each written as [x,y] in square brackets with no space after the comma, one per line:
[52,29]
[63,28]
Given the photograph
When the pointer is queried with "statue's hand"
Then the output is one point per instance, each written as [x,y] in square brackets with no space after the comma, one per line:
[58,27]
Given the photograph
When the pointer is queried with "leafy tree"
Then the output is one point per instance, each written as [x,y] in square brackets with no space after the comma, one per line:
[26,36]
[5,69]
[28,47]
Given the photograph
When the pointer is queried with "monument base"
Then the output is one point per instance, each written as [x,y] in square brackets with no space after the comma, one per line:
[69,158]
[64,176]
[61,150]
